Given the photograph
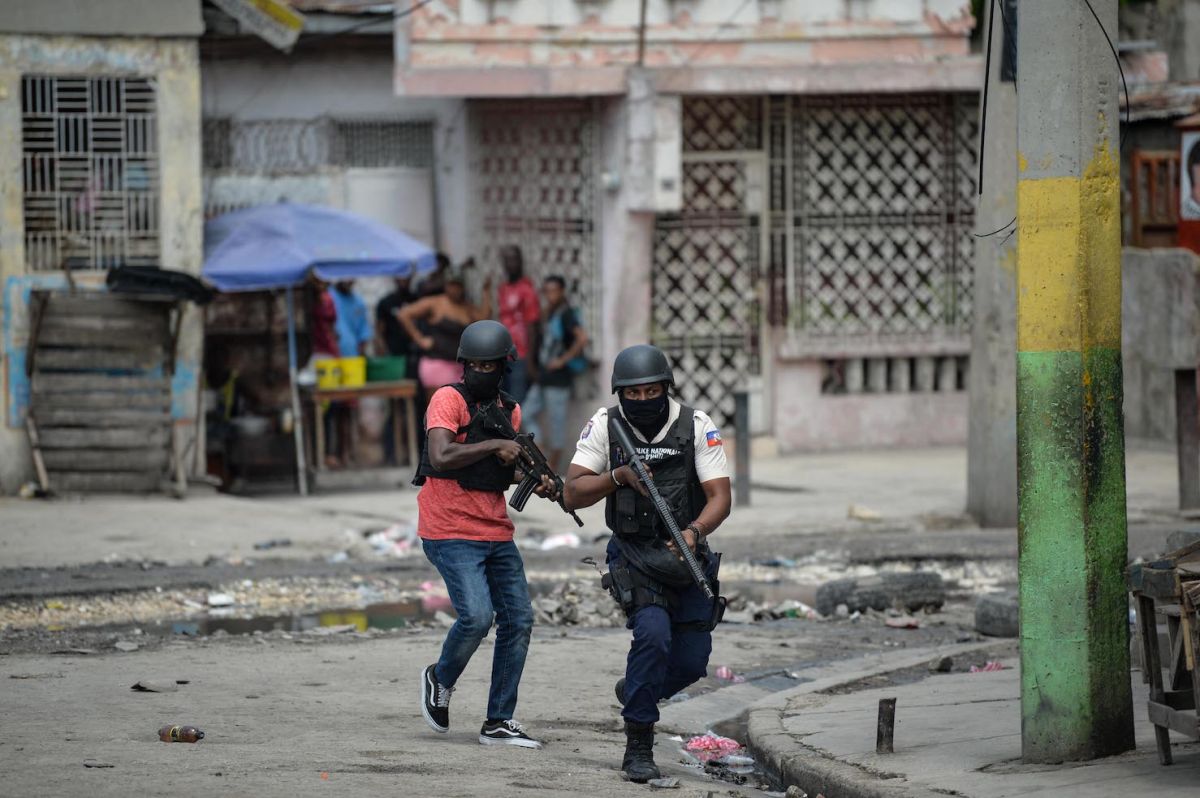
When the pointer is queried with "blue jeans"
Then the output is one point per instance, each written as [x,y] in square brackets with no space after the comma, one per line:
[485,580]
[664,659]
[516,381]
[555,400]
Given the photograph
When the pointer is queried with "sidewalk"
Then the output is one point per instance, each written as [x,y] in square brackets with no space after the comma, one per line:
[956,734]
[797,494]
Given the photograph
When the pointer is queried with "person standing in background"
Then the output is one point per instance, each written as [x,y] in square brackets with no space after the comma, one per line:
[444,317]
[520,312]
[323,319]
[353,321]
[392,338]
[354,334]
[559,359]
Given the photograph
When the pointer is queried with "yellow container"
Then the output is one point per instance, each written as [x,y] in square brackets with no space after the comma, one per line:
[329,373]
[354,371]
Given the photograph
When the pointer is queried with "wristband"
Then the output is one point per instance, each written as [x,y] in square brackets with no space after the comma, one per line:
[692,526]
[612,474]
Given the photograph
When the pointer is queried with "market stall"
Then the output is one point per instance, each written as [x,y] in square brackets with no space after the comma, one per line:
[277,247]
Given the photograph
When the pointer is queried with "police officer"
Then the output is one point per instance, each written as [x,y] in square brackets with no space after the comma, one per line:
[669,615]
[468,462]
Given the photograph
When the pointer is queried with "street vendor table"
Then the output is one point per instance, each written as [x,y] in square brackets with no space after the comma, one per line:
[398,393]
[1169,588]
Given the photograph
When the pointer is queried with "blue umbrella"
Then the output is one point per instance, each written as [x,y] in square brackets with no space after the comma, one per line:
[275,246]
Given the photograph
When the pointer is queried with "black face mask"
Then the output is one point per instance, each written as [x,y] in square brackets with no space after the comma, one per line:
[646,415]
[483,385]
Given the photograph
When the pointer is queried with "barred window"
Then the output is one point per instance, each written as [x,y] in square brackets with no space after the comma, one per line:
[90,172]
[374,143]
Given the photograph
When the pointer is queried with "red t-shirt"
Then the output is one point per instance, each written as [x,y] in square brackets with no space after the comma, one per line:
[519,307]
[447,510]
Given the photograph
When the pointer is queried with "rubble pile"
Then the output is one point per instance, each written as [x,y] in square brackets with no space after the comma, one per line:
[579,602]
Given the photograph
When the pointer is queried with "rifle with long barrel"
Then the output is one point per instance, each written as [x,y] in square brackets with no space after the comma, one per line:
[625,441]
[535,467]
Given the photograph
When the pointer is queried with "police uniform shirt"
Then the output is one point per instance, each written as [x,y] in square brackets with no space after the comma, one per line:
[591,451]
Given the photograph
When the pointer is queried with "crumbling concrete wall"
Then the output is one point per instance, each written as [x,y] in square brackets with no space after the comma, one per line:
[174,63]
[1160,306]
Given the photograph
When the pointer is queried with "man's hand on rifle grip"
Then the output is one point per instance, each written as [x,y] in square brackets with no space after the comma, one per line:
[628,477]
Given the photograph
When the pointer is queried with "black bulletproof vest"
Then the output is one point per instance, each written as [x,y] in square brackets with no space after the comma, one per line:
[486,474]
[673,462]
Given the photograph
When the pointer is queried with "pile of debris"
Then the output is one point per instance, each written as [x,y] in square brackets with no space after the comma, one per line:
[579,602]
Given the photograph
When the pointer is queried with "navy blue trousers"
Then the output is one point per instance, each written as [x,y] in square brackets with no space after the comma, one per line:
[662,659]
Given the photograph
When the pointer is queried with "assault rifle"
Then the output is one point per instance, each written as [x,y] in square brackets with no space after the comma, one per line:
[625,441]
[535,467]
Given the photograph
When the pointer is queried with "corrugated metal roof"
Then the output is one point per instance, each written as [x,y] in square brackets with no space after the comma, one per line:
[1163,101]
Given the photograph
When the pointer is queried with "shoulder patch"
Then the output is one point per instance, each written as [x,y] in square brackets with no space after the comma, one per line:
[713,437]
[587,430]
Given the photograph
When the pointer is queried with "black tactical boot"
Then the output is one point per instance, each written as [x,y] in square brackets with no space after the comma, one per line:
[638,765]
[619,689]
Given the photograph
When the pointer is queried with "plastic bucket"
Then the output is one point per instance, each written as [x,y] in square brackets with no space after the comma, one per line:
[329,373]
[386,369]
[354,371]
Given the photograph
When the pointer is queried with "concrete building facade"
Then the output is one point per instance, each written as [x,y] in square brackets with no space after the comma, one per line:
[99,167]
[780,193]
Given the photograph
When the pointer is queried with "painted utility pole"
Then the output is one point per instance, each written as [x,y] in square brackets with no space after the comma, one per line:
[1075,692]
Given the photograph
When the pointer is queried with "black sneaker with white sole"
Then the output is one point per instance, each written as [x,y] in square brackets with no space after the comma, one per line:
[435,701]
[506,732]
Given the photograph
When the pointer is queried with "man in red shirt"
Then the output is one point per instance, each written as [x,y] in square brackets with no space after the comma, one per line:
[520,312]
[468,463]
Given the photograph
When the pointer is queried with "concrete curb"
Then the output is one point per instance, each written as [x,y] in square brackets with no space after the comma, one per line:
[812,770]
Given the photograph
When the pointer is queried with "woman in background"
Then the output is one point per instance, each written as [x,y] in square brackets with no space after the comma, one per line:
[443,317]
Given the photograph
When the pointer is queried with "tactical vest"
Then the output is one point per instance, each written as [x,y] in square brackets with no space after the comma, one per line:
[489,473]
[673,463]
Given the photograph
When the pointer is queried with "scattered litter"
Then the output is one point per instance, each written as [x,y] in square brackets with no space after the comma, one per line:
[675,738]
[726,673]
[126,646]
[903,622]
[854,616]
[55,604]
[841,611]
[860,513]
[398,541]
[434,598]
[35,676]
[149,686]
[794,609]
[95,763]
[220,600]
[796,792]
[180,734]
[565,540]
[669,783]
[83,652]
[775,562]
[324,775]
[675,699]
[443,619]
[273,543]
[989,667]
[336,629]
[337,557]
[710,746]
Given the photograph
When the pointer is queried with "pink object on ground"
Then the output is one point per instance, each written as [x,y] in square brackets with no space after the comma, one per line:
[989,667]
[711,746]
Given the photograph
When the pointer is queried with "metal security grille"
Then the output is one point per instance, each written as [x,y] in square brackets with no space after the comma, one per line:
[301,146]
[535,187]
[90,174]
[706,258]
[882,208]
[374,143]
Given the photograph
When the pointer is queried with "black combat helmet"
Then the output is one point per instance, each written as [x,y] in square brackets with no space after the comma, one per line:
[639,365]
[486,340]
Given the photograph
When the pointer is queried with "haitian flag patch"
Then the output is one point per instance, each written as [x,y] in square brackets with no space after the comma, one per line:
[713,437]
